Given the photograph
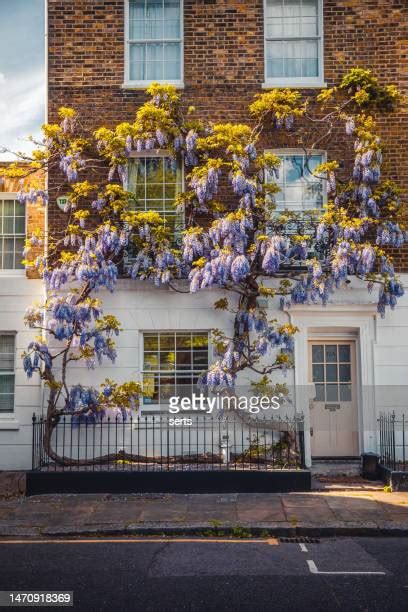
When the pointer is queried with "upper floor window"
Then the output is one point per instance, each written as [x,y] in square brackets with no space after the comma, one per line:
[156,181]
[12,232]
[294,43]
[172,363]
[154,47]
[7,348]
[300,189]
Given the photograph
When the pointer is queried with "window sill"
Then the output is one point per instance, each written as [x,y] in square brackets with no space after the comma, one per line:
[12,273]
[9,424]
[289,84]
[142,85]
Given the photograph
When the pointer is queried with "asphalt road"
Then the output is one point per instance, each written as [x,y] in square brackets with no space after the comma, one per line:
[204,575]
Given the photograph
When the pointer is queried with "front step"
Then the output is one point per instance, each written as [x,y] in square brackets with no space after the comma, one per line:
[336,467]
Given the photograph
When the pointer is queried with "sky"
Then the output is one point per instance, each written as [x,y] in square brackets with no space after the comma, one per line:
[22,76]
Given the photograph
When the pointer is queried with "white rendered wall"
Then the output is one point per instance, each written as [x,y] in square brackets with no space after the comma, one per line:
[382,357]
[16,294]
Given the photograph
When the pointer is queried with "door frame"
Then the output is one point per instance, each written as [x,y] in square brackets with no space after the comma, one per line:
[336,338]
[337,319]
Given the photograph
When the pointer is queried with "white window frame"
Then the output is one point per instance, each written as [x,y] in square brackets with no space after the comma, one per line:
[295,82]
[10,195]
[293,151]
[134,84]
[8,373]
[159,153]
[164,406]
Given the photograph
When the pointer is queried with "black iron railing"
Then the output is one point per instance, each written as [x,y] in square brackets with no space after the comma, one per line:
[165,443]
[393,441]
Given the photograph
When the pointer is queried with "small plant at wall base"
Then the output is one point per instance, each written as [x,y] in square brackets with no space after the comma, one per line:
[242,249]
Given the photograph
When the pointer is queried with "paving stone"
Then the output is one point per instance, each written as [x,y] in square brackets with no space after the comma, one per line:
[171,510]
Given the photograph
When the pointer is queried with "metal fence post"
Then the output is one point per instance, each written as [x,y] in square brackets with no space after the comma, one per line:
[34,419]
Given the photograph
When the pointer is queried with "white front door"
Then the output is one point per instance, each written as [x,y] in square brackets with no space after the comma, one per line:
[333,411]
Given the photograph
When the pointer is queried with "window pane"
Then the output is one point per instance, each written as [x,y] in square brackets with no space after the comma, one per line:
[19,254]
[275,68]
[137,62]
[153,29]
[183,341]
[167,388]
[7,401]
[172,64]
[344,352]
[317,353]
[151,341]
[20,209]
[309,26]
[167,360]
[184,360]
[151,361]
[274,8]
[200,360]
[331,373]
[345,372]
[171,9]
[171,28]
[310,67]
[136,19]
[19,225]
[154,71]
[6,384]
[171,71]
[172,52]
[309,8]
[8,225]
[319,396]
[332,393]
[137,52]
[293,168]
[291,26]
[8,261]
[166,342]
[8,208]
[154,170]
[331,352]
[200,341]
[154,9]
[151,388]
[345,393]
[274,28]
[7,353]
[318,373]
[184,385]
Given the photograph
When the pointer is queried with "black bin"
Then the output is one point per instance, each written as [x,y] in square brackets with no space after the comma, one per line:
[369,466]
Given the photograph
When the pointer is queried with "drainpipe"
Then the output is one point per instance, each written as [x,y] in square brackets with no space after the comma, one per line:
[46,176]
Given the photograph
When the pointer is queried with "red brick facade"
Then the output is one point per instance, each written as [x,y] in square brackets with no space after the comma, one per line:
[35,212]
[223,64]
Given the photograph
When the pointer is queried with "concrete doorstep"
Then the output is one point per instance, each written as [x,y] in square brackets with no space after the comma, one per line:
[314,514]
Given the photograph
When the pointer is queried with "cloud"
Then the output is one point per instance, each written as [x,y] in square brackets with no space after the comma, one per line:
[21,110]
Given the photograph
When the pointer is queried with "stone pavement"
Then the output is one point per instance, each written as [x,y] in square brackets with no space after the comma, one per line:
[318,513]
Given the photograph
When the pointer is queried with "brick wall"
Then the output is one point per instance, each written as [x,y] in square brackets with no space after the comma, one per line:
[223,65]
[34,212]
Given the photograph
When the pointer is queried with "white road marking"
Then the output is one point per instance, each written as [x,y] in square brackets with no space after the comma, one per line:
[313,570]
[303,547]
